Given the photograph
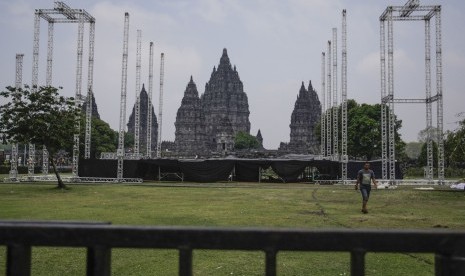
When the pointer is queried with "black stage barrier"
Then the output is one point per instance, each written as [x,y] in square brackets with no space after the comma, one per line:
[289,170]
[212,170]
[207,170]
[248,170]
[354,166]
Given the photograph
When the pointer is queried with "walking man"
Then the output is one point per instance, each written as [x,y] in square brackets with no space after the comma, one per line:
[364,178]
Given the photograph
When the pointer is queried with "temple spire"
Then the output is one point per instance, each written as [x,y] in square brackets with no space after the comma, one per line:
[224,61]
[302,90]
[310,86]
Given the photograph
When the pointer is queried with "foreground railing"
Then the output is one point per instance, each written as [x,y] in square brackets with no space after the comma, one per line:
[99,239]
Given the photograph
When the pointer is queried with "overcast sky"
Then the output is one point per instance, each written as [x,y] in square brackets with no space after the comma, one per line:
[275,45]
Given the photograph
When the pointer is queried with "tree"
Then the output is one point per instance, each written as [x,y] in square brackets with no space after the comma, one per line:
[39,116]
[244,140]
[423,158]
[364,132]
[423,134]
[413,149]
[454,146]
[103,138]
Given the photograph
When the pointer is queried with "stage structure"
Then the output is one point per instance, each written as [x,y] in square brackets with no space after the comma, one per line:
[160,104]
[149,107]
[335,108]
[411,11]
[330,103]
[137,105]
[14,147]
[323,106]
[329,144]
[344,121]
[122,111]
[62,13]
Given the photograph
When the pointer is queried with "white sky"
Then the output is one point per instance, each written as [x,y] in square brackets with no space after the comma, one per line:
[275,45]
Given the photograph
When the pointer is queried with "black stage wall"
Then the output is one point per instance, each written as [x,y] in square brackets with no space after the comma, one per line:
[212,170]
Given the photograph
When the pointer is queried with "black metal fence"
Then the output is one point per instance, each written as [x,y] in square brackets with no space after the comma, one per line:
[99,239]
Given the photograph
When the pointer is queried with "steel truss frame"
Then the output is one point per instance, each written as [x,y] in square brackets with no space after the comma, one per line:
[62,13]
[411,11]
[149,107]
[344,120]
[137,105]
[330,105]
[160,103]
[323,106]
[328,116]
[13,174]
[122,112]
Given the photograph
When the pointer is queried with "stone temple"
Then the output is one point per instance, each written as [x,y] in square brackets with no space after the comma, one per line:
[224,103]
[95,113]
[304,119]
[210,123]
[190,123]
[144,99]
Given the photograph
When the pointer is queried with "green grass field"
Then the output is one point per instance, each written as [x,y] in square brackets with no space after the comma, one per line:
[232,205]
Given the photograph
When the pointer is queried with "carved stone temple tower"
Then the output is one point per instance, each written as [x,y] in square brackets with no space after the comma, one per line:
[225,105]
[190,124]
[305,117]
[144,98]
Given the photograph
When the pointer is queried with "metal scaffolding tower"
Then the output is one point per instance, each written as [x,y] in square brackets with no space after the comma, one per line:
[160,106]
[323,106]
[62,13]
[344,156]
[149,107]
[14,147]
[329,144]
[411,11]
[122,111]
[90,91]
[137,105]
[335,98]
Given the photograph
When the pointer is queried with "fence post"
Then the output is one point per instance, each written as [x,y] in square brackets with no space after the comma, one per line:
[357,262]
[185,261]
[18,260]
[98,261]
[270,262]
[450,265]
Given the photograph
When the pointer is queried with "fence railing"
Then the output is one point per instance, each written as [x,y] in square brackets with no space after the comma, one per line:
[448,246]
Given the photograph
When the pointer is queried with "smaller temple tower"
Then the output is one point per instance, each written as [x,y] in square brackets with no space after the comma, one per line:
[144,98]
[305,117]
[190,124]
[95,113]
[260,139]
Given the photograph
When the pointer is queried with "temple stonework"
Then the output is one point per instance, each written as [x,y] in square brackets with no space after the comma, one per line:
[304,118]
[144,99]
[190,123]
[260,139]
[224,102]
[95,113]
[210,123]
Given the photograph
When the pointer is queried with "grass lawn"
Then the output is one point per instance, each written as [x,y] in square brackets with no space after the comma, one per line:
[235,205]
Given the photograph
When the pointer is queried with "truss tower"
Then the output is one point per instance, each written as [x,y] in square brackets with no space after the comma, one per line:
[62,13]
[411,11]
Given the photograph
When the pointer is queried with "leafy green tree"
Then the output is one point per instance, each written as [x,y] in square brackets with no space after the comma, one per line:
[454,146]
[364,132]
[413,149]
[103,138]
[244,140]
[423,158]
[39,116]
[423,134]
